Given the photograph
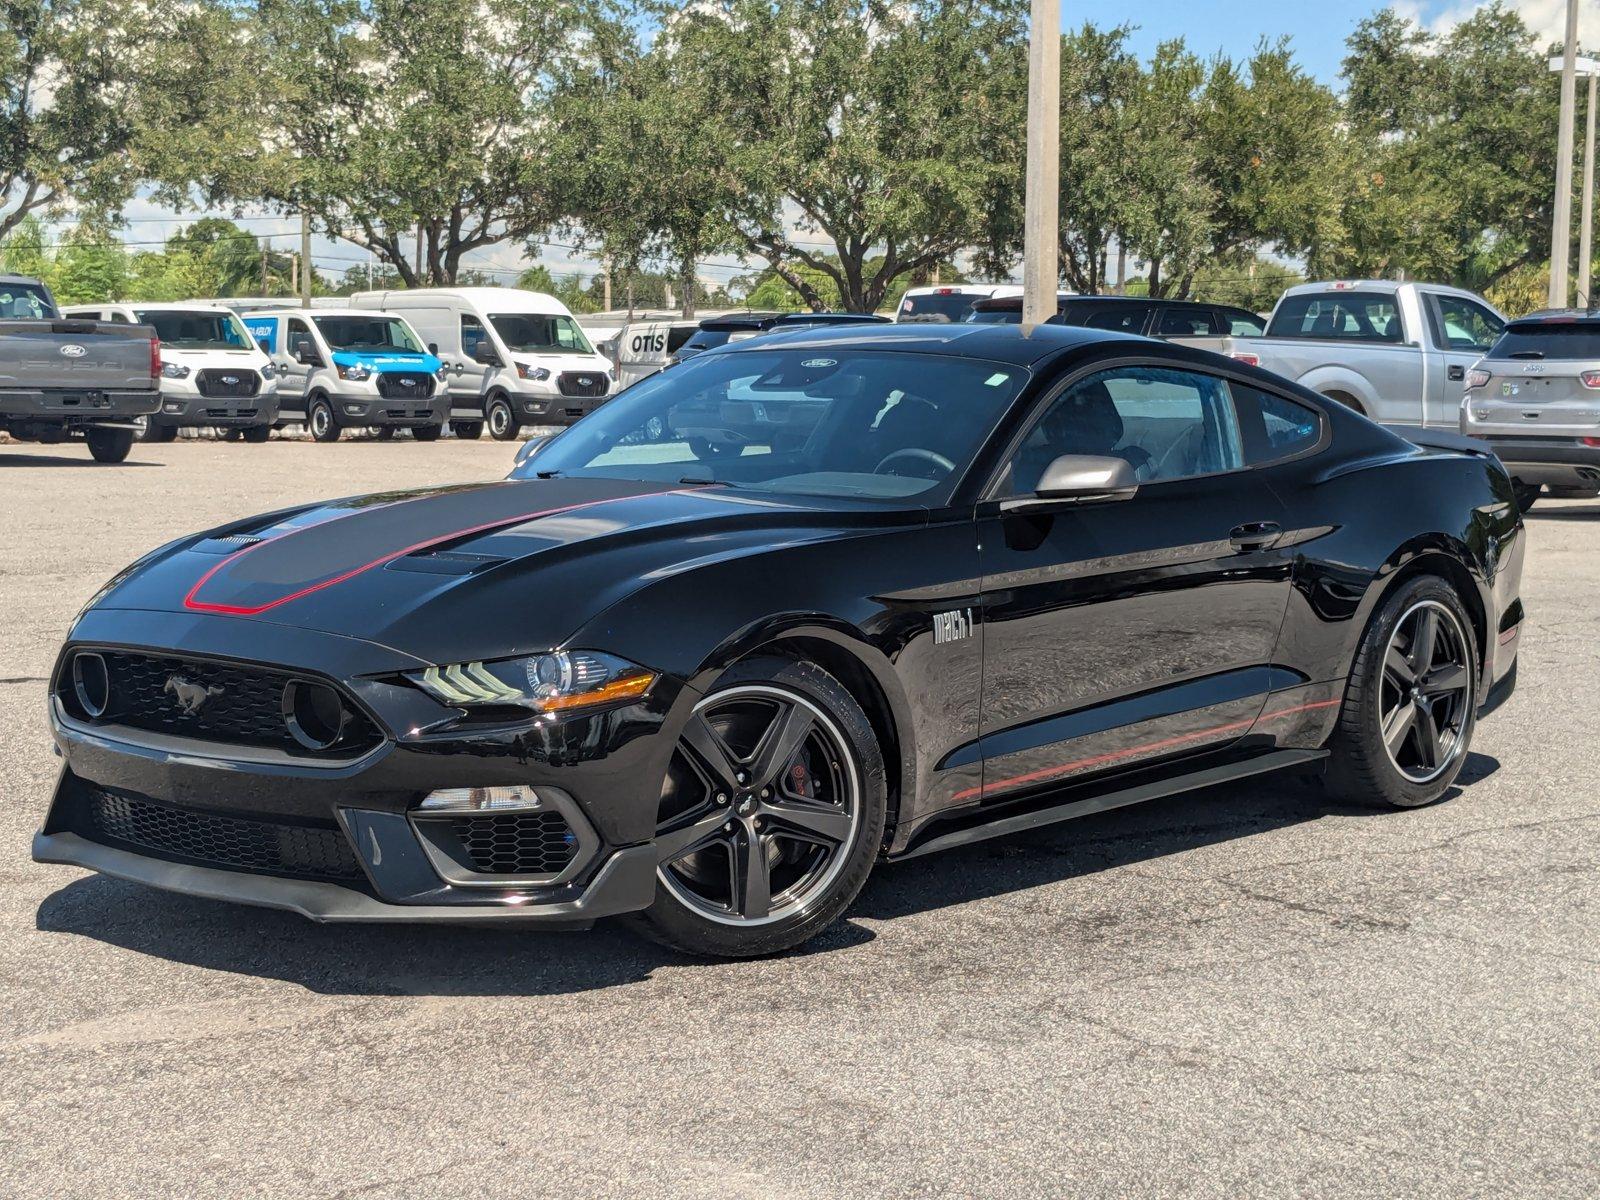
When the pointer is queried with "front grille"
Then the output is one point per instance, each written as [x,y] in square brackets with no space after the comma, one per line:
[231,412]
[214,382]
[405,385]
[243,843]
[242,705]
[530,843]
[583,383]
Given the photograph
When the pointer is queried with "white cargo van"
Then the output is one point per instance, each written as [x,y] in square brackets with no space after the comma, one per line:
[511,358]
[341,368]
[212,371]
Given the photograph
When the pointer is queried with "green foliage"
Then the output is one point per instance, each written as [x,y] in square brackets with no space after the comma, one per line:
[1247,281]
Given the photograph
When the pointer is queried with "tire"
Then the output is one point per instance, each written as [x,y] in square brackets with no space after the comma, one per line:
[158,434]
[469,431]
[228,435]
[1362,768]
[322,422]
[503,423]
[109,445]
[256,434]
[386,433]
[427,433]
[834,779]
[1527,494]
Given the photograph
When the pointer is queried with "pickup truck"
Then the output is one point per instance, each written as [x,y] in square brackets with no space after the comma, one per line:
[1396,352]
[62,379]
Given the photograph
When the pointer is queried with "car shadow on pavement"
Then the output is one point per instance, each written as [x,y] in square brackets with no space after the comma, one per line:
[420,960]
[10,461]
[1582,512]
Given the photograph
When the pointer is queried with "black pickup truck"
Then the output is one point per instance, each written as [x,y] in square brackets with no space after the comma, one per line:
[63,378]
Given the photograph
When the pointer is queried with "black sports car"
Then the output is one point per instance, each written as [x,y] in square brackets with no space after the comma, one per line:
[875,592]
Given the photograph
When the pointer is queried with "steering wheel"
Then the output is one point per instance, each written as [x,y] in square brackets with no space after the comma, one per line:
[932,456]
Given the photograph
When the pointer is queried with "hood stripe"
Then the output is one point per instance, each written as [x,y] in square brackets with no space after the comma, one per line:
[193,604]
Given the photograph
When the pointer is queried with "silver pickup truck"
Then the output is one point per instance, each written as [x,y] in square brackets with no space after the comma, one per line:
[1397,352]
[63,379]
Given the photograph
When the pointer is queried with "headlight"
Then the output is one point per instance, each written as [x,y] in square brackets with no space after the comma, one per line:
[537,374]
[269,371]
[1477,379]
[174,370]
[558,682]
[355,372]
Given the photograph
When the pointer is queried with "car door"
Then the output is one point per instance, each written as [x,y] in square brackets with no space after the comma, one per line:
[1460,332]
[1129,630]
[466,383]
[295,376]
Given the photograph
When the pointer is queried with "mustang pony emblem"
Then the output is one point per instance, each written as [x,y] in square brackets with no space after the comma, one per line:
[191,696]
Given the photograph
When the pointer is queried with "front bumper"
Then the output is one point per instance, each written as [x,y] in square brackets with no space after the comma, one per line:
[227,412]
[365,408]
[1562,461]
[556,409]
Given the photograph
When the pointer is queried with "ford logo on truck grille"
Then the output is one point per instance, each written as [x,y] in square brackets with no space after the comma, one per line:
[230,379]
[73,350]
[404,382]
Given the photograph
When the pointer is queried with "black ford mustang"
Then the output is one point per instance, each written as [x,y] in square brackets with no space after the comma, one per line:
[791,607]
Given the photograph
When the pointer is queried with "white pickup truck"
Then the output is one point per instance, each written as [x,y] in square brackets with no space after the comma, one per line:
[1397,352]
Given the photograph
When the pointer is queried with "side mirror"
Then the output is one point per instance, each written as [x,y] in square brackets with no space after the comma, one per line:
[528,449]
[484,353]
[433,349]
[1079,479]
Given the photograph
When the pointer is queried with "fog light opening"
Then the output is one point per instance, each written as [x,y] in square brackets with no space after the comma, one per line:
[516,798]
[91,684]
[314,713]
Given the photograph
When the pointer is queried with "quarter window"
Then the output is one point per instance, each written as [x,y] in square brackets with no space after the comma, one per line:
[1275,428]
[1167,424]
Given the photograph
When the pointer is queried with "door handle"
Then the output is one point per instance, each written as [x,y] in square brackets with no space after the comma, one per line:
[1456,374]
[1255,535]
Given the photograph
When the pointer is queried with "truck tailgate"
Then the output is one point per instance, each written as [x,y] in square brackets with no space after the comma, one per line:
[73,355]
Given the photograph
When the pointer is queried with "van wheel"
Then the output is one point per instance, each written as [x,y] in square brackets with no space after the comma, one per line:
[503,425]
[320,420]
[427,433]
[256,434]
[109,445]
[468,430]
[158,433]
[386,433]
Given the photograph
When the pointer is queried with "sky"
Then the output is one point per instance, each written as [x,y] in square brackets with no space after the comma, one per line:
[1316,28]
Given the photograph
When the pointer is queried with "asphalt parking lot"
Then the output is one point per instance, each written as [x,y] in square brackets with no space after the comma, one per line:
[1247,991]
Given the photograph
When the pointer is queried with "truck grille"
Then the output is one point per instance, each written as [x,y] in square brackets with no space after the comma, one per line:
[583,383]
[222,382]
[405,385]
[320,851]
[231,703]
[531,843]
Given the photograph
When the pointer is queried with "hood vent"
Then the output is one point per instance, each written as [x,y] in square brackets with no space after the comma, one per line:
[231,544]
[446,562]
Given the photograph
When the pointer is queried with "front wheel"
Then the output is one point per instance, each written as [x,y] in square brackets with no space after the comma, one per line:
[469,431]
[503,425]
[323,424]
[771,814]
[1411,702]
[109,445]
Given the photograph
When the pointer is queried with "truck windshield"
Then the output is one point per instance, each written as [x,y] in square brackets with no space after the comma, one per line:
[541,333]
[26,301]
[184,329]
[364,335]
[1562,340]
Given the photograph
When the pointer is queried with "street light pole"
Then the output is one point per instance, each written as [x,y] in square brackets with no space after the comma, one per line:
[1561,229]
[1041,212]
[1586,228]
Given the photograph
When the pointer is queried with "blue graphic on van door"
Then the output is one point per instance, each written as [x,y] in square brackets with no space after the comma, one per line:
[265,331]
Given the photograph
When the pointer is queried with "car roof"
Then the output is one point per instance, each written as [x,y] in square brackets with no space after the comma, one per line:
[322,312]
[996,343]
[1558,316]
[162,305]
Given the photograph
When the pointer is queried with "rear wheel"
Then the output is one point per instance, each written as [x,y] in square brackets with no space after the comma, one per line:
[771,814]
[503,426]
[256,434]
[1526,493]
[427,433]
[468,430]
[1411,703]
[320,420]
[386,433]
[158,433]
[109,445]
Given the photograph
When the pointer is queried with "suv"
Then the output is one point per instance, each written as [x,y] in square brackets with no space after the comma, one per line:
[212,371]
[1535,398]
[65,378]
[1174,320]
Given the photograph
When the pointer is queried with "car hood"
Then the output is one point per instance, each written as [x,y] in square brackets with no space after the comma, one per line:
[481,570]
[386,361]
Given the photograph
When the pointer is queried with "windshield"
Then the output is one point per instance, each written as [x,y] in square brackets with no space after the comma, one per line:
[366,335]
[1564,340]
[938,307]
[188,330]
[809,422]
[25,301]
[541,333]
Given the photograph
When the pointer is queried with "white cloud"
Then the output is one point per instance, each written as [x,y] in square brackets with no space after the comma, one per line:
[1547,18]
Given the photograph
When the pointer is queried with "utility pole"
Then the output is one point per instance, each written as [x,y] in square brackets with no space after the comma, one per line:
[1561,232]
[1586,228]
[305,261]
[605,285]
[1041,222]
[266,250]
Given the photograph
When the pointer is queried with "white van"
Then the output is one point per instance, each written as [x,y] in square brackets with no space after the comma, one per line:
[949,303]
[645,347]
[511,358]
[212,371]
[349,367]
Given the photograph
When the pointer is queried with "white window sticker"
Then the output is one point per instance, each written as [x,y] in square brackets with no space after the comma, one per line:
[996,379]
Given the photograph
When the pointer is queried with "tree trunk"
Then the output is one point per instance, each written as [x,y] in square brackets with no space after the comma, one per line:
[686,281]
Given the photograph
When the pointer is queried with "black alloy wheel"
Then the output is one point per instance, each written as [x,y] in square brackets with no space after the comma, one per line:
[770,815]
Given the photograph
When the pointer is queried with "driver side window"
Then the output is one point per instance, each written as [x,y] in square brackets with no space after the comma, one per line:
[1166,424]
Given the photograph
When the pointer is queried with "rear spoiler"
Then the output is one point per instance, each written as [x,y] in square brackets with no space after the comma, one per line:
[1443,439]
